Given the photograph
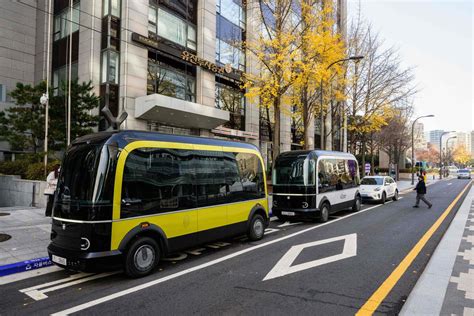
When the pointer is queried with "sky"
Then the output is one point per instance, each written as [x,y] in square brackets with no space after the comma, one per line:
[436,38]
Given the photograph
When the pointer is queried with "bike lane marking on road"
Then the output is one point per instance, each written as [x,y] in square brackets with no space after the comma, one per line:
[382,292]
[284,265]
[198,267]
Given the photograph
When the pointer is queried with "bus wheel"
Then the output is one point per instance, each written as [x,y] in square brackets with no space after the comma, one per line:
[357,204]
[256,228]
[324,213]
[142,257]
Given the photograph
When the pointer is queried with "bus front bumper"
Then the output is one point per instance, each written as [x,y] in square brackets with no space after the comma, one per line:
[83,260]
[301,213]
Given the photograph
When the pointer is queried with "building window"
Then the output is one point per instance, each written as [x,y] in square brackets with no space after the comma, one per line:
[60,77]
[233,11]
[171,27]
[172,79]
[231,99]
[230,34]
[110,66]
[3,93]
[62,22]
[111,7]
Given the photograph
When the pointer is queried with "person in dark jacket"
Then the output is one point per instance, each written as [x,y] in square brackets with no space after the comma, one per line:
[421,191]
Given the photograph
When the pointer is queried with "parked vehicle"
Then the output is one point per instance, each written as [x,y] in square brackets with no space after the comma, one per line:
[464,174]
[378,188]
[132,197]
[313,184]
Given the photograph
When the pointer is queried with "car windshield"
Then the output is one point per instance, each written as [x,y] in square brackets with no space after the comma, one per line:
[463,170]
[294,170]
[372,181]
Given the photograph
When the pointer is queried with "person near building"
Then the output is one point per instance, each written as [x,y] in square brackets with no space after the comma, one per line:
[51,182]
[421,192]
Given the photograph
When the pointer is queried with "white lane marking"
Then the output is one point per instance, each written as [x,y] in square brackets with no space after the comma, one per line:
[198,267]
[273,218]
[28,274]
[271,230]
[284,267]
[286,224]
[449,183]
[69,278]
[38,294]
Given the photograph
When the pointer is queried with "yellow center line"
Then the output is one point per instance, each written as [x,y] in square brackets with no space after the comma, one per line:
[381,293]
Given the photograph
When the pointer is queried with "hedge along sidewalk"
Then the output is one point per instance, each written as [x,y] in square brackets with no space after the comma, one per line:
[30,233]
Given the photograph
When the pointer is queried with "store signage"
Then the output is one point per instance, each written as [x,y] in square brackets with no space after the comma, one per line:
[145,40]
[186,56]
[193,59]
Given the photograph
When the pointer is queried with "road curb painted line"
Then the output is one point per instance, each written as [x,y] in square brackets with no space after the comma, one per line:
[26,265]
[198,267]
[381,293]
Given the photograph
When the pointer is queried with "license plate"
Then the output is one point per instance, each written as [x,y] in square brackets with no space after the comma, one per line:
[59,260]
[288,213]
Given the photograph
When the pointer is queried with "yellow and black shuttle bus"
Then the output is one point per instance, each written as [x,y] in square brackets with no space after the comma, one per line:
[135,196]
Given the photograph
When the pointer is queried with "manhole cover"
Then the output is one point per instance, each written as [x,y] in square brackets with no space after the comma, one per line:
[4,237]
[4,214]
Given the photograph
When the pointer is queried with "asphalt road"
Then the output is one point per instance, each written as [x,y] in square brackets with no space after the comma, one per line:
[299,268]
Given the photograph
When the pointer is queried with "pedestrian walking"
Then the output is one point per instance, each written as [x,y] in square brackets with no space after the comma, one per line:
[420,192]
[51,182]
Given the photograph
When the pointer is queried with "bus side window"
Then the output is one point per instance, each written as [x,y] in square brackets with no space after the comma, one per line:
[210,178]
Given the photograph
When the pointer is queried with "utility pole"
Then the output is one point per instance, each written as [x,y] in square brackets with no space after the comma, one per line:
[44,100]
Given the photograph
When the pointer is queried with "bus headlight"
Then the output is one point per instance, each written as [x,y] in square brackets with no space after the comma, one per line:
[85,243]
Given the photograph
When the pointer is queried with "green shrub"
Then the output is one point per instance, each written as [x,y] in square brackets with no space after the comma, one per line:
[35,171]
[17,167]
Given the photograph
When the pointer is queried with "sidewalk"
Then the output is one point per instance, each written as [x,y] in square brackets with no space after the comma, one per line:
[27,233]
[446,286]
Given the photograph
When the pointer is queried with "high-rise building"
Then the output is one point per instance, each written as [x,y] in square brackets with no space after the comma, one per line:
[419,136]
[435,137]
[23,43]
[172,66]
[462,139]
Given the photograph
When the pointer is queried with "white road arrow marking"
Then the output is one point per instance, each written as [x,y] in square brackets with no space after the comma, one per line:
[284,267]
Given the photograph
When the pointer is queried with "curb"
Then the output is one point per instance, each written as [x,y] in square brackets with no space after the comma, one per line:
[26,265]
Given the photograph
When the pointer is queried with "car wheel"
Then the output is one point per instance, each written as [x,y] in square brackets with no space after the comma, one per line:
[395,196]
[357,204]
[384,198]
[324,213]
[256,228]
[142,257]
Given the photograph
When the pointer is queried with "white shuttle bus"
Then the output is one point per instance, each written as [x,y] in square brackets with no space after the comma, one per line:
[314,184]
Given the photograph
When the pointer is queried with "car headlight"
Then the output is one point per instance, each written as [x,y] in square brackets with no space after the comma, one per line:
[378,189]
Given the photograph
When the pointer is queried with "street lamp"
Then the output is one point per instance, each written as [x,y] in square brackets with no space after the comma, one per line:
[413,147]
[353,58]
[441,152]
[447,140]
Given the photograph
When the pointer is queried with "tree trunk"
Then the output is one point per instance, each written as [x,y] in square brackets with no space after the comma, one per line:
[364,147]
[276,138]
[269,124]
[307,120]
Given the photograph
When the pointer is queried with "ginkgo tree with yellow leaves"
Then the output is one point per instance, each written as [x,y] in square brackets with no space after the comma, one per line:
[461,155]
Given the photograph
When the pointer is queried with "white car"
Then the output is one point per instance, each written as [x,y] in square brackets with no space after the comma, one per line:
[378,188]
[464,174]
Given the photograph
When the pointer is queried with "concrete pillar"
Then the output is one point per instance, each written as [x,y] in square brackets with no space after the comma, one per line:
[206,49]
[285,131]
[133,60]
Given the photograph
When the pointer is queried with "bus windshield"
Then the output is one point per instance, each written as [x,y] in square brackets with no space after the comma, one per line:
[85,184]
[294,170]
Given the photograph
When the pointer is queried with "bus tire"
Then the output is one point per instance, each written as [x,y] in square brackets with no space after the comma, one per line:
[256,228]
[357,204]
[142,257]
[324,216]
